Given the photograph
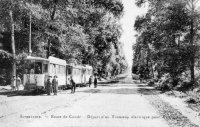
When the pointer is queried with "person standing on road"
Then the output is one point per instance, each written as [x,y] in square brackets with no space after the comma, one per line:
[95,81]
[73,84]
[49,86]
[55,85]
[13,83]
[90,81]
[18,82]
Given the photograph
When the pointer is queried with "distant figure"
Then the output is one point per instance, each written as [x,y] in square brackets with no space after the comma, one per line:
[38,70]
[49,85]
[90,81]
[32,71]
[95,81]
[13,83]
[18,82]
[26,71]
[55,85]
[73,84]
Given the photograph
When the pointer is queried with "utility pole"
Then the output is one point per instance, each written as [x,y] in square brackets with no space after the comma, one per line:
[30,18]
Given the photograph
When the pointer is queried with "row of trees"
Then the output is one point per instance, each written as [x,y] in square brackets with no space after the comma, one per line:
[168,38]
[80,31]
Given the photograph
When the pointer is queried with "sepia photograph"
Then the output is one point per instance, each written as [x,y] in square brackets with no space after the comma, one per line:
[99,63]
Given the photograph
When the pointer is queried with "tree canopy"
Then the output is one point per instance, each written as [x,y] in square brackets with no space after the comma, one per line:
[81,32]
[167,37]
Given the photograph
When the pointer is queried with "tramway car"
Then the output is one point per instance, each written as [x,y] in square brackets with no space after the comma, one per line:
[80,74]
[38,69]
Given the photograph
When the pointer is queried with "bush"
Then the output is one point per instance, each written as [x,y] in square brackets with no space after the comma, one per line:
[2,78]
[5,67]
[165,83]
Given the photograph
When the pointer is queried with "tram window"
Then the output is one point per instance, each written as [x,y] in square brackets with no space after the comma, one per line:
[29,68]
[32,68]
[45,68]
[77,71]
[57,69]
[51,68]
[54,69]
[69,71]
[64,70]
[61,69]
[38,68]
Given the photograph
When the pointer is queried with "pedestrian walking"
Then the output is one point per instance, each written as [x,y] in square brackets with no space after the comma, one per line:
[55,85]
[18,82]
[95,81]
[49,86]
[13,83]
[73,84]
[90,81]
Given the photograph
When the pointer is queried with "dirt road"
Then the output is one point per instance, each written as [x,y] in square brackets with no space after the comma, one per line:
[119,103]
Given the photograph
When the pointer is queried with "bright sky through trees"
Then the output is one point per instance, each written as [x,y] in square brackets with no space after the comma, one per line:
[130,13]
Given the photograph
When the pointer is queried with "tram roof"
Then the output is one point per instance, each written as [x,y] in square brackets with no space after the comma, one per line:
[88,66]
[58,61]
[82,66]
[36,58]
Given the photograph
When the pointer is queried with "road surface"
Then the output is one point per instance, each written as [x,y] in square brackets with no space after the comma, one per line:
[119,103]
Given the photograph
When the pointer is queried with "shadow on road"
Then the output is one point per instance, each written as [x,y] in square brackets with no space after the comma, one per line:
[147,91]
[20,93]
[144,90]
[120,85]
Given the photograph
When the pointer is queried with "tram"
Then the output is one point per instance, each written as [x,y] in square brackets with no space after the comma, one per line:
[38,69]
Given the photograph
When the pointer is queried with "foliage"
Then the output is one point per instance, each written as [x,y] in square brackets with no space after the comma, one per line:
[5,62]
[81,32]
[164,38]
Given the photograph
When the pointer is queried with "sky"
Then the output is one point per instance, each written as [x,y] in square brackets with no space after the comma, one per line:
[131,11]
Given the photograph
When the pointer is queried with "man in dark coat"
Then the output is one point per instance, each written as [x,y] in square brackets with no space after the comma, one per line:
[55,85]
[73,85]
[95,81]
[90,81]
[49,86]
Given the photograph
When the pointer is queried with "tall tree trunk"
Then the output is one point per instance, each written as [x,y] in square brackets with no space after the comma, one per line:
[192,60]
[52,15]
[149,57]
[13,41]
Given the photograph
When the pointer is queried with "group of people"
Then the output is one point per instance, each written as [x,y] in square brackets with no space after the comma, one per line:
[73,84]
[15,83]
[95,81]
[52,87]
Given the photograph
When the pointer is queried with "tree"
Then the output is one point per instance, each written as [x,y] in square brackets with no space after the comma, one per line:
[159,31]
[194,20]
[13,41]
[65,29]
